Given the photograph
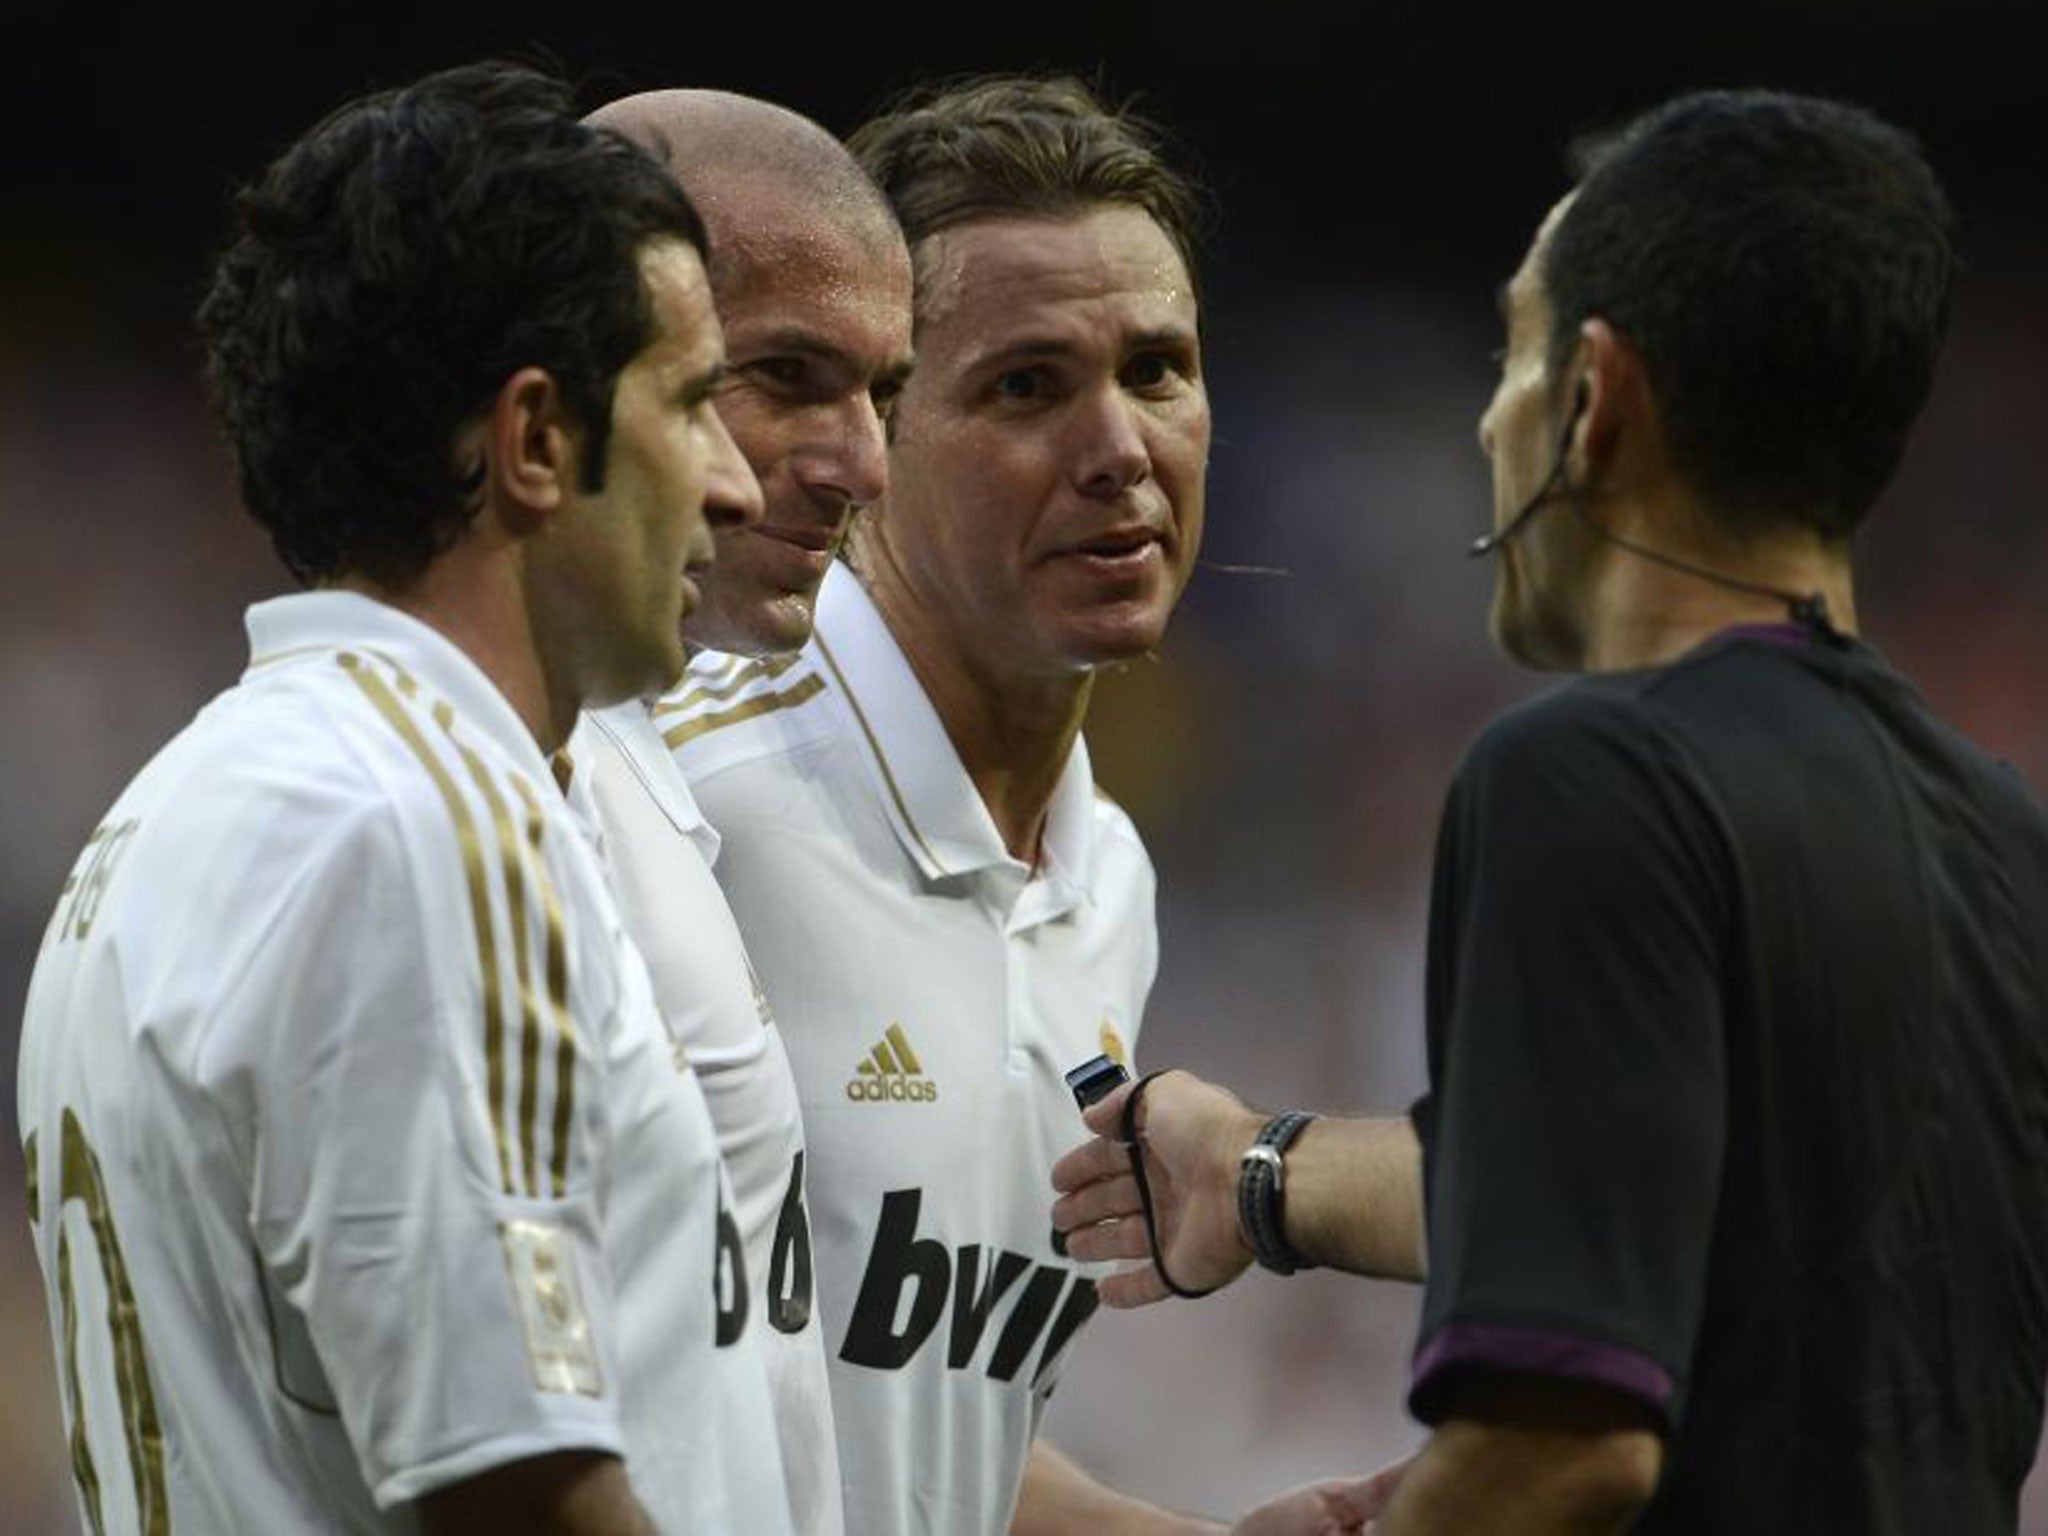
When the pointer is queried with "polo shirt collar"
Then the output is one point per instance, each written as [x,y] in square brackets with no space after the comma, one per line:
[306,624]
[934,806]
[633,729]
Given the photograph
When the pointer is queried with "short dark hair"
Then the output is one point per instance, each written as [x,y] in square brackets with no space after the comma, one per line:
[996,145]
[389,272]
[1783,264]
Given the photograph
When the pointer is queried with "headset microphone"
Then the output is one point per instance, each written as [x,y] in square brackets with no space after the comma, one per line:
[1809,609]
[1553,482]
[1487,543]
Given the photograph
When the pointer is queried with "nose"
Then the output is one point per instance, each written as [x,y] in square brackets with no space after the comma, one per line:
[848,462]
[1111,452]
[732,496]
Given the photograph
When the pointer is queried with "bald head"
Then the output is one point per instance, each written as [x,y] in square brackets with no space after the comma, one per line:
[812,284]
[760,175]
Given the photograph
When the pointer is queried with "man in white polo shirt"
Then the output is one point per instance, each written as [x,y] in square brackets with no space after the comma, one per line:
[370,1190]
[812,284]
[945,912]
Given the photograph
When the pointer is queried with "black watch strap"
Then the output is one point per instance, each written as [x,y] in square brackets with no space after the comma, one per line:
[1262,1192]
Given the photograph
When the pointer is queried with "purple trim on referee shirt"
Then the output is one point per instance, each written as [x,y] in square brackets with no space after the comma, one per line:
[1537,1352]
[1780,633]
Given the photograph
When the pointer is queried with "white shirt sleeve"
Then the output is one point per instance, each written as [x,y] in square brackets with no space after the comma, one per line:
[424,1144]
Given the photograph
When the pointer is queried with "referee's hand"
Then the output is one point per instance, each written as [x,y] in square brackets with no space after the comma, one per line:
[1191,1134]
[1337,1507]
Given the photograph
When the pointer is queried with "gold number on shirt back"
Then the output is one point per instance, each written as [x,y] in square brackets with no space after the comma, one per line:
[78,1178]
[87,887]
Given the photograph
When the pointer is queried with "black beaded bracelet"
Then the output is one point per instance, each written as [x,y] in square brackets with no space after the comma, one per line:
[1262,1189]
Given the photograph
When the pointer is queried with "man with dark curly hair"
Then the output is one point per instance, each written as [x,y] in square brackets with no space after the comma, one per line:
[370,1188]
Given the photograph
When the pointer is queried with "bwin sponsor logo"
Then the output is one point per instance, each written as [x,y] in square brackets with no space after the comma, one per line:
[909,1280]
[892,1072]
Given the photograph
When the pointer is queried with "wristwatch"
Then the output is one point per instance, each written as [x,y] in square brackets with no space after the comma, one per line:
[1261,1192]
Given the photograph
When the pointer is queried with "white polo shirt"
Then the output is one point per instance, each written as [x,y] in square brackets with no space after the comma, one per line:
[660,851]
[933,991]
[361,1160]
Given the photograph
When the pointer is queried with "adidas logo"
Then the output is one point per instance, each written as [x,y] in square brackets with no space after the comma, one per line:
[891,1071]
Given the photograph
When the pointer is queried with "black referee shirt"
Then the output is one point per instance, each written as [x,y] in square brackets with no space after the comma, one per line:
[1738,1054]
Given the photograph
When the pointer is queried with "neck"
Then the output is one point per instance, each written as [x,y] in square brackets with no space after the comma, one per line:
[471,595]
[1014,733]
[1643,609]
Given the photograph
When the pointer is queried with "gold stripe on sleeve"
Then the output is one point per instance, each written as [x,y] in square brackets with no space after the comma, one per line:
[558,998]
[761,670]
[762,704]
[515,893]
[479,895]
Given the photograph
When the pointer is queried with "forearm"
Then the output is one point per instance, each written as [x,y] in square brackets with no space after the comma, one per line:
[569,1493]
[1354,1197]
[1448,1494]
[1057,1498]
[1349,1191]
[1530,1458]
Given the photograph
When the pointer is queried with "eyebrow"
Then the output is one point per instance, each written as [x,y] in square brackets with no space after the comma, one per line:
[1024,349]
[702,385]
[792,339]
[804,343]
[1166,336]
[1031,348]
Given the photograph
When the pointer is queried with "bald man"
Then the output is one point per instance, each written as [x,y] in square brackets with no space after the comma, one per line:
[811,281]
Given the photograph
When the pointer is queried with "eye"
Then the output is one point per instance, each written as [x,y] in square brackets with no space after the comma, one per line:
[885,393]
[1020,384]
[698,394]
[782,372]
[1149,370]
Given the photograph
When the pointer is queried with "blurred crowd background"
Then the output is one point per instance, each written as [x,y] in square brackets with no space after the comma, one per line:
[1378,170]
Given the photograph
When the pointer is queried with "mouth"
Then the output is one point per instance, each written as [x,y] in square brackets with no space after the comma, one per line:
[696,566]
[1120,541]
[786,558]
[811,537]
[1118,551]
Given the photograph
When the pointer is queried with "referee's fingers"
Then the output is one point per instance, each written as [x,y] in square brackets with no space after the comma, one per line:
[1127,1288]
[1103,1200]
[1097,1159]
[1109,1240]
[1105,1116]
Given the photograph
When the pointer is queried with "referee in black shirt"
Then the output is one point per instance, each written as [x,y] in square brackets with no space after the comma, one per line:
[1734,1162]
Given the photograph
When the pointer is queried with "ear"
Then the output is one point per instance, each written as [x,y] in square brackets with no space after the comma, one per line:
[532,449]
[1613,404]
